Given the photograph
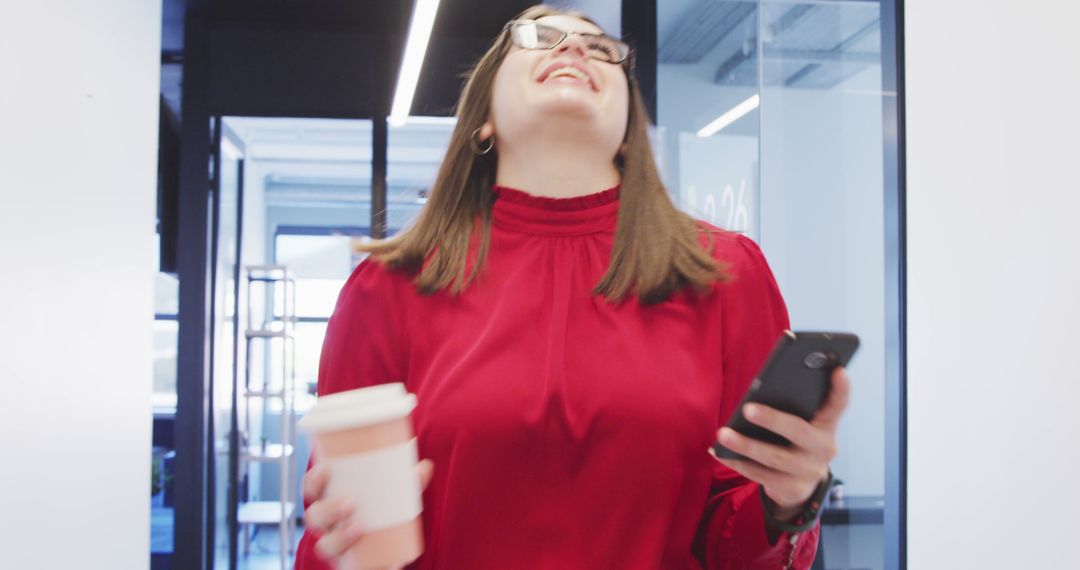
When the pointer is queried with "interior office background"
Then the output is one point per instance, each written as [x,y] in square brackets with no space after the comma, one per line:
[990,287]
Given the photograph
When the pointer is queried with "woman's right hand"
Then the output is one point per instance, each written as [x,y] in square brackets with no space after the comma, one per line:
[329,518]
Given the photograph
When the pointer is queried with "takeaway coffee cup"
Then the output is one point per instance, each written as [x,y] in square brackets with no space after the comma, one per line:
[365,437]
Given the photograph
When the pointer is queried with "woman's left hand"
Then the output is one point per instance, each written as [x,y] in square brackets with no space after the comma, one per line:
[789,475]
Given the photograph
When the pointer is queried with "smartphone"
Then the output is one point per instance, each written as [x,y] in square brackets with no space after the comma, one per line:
[795,379]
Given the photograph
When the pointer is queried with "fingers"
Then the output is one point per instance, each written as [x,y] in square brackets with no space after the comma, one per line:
[334,543]
[798,431]
[327,514]
[330,518]
[749,469]
[771,480]
[792,427]
[782,459]
[315,482]
[789,473]
[782,488]
[425,469]
[839,395]
[323,514]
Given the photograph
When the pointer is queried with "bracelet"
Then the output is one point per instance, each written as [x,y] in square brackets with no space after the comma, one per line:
[806,519]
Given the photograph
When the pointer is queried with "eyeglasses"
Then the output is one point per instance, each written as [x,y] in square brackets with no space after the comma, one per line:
[529,34]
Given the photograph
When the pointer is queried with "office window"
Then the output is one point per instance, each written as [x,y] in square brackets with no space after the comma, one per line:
[414,153]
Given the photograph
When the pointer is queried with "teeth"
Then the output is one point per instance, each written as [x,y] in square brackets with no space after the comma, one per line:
[571,71]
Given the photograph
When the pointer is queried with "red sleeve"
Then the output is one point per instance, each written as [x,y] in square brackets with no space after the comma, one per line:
[364,345]
[733,534]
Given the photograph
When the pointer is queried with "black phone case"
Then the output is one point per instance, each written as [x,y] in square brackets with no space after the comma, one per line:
[795,379]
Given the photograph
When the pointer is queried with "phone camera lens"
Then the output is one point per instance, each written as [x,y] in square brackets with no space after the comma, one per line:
[816,360]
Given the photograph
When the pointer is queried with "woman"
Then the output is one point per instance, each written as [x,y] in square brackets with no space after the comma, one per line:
[573,339]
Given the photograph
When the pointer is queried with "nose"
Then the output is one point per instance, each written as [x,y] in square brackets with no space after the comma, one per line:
[574,42]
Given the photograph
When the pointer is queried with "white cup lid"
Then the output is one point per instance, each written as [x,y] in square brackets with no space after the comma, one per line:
[358,408]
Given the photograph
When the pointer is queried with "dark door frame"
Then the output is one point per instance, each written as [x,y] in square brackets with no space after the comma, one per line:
[892,79]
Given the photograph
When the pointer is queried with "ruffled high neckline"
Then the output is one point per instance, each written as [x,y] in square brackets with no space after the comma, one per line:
[519,211]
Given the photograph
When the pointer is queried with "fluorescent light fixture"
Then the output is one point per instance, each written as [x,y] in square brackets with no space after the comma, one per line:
[423,18]
[729,117]
[422,120]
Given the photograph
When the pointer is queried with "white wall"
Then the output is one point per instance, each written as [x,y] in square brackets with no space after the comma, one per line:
[78,152]
[993,284]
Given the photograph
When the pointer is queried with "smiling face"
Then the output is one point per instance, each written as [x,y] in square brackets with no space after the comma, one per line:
[560,87]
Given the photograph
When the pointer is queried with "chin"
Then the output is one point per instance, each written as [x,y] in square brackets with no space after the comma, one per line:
[568,101]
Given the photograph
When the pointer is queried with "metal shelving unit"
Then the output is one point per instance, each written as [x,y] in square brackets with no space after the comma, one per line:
[276,387]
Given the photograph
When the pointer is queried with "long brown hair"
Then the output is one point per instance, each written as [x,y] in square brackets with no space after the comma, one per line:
[656,251]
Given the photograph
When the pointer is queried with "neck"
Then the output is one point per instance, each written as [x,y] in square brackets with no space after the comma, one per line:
[556,171]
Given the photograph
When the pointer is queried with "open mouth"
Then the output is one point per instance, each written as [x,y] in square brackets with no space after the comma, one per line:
[567,73]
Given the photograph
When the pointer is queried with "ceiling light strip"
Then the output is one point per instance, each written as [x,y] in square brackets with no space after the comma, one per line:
[729,117]
[423,19]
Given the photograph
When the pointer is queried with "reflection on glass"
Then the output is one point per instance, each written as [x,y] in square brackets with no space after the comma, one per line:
[773,127]
[163,401]
[707,105]
[165,342]
[224,363]
[166,294]
[166,329]
[162,455]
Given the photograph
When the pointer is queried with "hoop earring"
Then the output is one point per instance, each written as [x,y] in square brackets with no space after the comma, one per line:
[476,146]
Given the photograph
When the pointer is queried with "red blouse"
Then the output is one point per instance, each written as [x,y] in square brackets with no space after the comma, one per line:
[568,432]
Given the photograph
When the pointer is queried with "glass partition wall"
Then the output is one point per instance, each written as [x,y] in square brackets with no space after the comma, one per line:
[770,122]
